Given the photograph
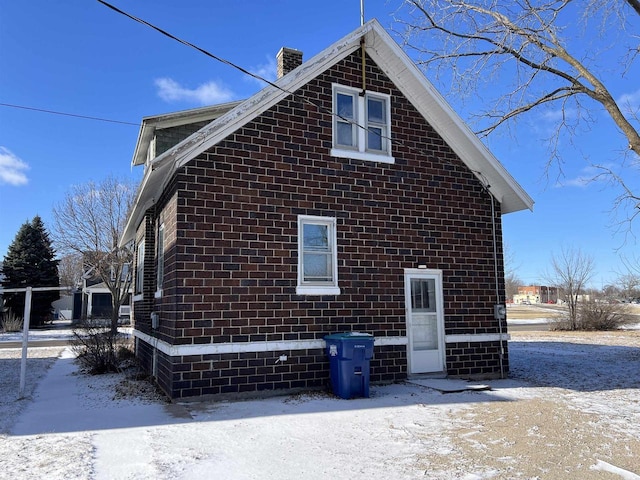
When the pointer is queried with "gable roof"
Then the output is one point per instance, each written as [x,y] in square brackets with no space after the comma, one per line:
[396,64]
[174,119]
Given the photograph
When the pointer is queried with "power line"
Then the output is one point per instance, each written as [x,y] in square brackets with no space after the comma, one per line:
[239,68]
[53,112]
[189,44]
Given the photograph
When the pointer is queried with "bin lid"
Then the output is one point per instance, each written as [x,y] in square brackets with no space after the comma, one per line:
[348,335]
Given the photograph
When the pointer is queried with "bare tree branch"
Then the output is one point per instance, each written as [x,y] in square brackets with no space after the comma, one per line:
[88,222]
[526,48]
[635,4]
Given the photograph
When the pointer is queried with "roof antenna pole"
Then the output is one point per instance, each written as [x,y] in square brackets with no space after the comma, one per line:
[362,42]
[364,67]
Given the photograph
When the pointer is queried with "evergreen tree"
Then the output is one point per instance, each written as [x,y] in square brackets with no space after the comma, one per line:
[30,263]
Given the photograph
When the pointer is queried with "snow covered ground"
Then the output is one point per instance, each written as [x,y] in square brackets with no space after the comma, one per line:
[570,409]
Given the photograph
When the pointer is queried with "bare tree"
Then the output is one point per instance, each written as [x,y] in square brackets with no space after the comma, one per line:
[629,285]
[628,281]
[529,48]
[570,272]
[70,270]
[89,221]
[512,282]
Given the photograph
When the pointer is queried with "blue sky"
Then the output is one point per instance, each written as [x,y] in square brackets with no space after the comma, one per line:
[80,57]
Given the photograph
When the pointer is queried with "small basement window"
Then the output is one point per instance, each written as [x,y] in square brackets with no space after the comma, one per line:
[317,256]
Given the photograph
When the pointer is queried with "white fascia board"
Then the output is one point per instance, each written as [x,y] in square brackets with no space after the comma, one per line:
[145,135]
[193,115]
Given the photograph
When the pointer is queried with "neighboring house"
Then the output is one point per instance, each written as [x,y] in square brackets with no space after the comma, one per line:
[282,221]
[63,307]
[96,298]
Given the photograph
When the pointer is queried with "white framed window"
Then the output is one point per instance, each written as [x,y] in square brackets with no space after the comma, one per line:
[159,260]
[361,125]
[317,256]
[124,272]
[139,271]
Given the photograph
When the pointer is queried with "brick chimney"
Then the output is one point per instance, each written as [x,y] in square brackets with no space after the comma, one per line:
[288,59]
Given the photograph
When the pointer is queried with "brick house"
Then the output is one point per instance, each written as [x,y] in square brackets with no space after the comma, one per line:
[264,225]
[536,294]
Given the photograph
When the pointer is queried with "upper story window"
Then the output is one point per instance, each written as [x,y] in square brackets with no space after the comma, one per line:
[317,256]
[361,125]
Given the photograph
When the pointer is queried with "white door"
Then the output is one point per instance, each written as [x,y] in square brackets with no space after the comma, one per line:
[425,320]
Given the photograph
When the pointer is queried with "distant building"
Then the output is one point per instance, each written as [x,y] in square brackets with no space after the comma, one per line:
[536,294]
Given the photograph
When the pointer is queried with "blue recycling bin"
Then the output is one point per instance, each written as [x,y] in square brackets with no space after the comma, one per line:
[349,354]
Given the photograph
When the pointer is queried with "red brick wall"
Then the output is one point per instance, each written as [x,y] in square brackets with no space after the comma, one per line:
[232,259]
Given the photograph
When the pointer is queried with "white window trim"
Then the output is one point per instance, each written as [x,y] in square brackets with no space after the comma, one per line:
[360,151]
[307,288]
[159,262]
[139,293]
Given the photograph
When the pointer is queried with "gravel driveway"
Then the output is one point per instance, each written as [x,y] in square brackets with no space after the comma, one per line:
[576,415]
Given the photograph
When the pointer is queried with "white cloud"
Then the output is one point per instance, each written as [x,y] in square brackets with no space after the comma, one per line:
[579,181]
[12,169]
[559,114]
[588,175]
[268,71]
[208,93]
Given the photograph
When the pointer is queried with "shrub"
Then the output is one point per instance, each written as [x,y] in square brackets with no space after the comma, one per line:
[601,316]
[11,322]
[99,350]
[592,315]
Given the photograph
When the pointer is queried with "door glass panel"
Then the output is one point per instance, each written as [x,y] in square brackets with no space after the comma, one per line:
[423,295]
